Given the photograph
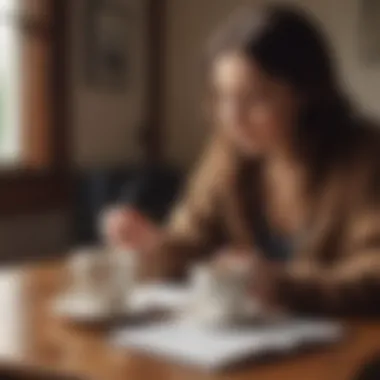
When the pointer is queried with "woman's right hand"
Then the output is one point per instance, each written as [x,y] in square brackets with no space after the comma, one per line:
[125,227]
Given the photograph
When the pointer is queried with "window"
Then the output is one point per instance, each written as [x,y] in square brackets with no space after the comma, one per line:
[32,103]
[10,105]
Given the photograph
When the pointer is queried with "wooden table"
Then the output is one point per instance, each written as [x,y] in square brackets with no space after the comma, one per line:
[31,336]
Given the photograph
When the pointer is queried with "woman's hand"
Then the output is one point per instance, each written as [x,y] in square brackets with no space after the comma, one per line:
[265,282]
[264,273]
[125,227]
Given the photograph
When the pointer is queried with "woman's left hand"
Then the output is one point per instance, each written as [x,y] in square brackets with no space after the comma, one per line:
[264,273]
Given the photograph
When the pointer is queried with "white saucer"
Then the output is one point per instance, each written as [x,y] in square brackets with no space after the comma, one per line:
[80,307]
[89,309]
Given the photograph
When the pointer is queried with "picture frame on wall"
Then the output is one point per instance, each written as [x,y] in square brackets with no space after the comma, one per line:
[369,31]
[107,61]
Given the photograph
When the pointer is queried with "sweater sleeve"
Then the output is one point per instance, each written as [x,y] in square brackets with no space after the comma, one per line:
[351,285]
[194,228]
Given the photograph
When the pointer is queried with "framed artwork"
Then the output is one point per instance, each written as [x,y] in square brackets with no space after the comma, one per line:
[122,45]
[369,31]
[107,61]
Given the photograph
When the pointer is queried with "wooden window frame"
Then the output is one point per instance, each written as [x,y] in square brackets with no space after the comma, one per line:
[27,190]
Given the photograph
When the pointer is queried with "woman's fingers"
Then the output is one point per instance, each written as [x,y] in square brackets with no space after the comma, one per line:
[234,257]
[263,273]
[125,227]
[114,225]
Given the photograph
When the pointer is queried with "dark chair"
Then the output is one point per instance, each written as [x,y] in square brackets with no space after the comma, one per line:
[150,189]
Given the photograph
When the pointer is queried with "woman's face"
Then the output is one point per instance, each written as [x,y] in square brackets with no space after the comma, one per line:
[257,112]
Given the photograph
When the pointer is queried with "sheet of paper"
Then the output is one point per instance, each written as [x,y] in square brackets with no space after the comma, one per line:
[216,348]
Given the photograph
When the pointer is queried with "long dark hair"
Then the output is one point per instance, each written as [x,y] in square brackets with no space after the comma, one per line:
[286,44]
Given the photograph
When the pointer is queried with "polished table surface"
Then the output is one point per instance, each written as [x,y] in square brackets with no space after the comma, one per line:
[31,337]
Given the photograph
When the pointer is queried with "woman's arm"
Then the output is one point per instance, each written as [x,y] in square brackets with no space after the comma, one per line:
[351,286]
[193,229]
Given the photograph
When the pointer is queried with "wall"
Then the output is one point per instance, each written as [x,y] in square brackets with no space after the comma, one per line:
[105,123]
[189,24]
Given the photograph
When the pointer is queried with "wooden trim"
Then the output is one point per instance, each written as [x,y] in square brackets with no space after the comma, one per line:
[153,134]
[29,190]
[60,82]
[38,100]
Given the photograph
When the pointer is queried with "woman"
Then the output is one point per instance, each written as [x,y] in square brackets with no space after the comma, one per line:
[291,178]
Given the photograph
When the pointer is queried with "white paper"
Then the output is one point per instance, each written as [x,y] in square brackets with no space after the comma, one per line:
[216,348]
